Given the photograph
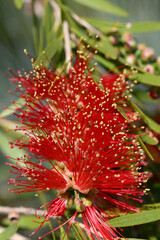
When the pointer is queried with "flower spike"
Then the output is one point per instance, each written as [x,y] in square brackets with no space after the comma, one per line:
[79,144]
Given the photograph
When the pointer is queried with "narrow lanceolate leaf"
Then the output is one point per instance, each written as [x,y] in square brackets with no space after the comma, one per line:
[106,63]
[134,239]
[35,30]
[146,78]
[145,148]
[9,231]
[78,232]
[103,46]
[63,234]
[149,140]
[12,108]
[150,122]
[48,53]
[151,206]
[46,26]
[139,27]
[26,222]
[136,218]
[83,236]
[18,3]
[5,148]
[105,26]
[104,6]
[106,48]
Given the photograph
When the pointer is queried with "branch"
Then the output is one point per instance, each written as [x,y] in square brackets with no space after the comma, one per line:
[21,210]
[57,13]
[86,24]
[67,44]
[75,39]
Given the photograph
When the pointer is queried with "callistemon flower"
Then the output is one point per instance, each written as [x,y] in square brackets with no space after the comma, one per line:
[79,144]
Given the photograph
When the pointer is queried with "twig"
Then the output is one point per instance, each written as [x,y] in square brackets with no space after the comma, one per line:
[74,39]
[86,24]
[21,210]
[57,13]
[67,44]
[38,8]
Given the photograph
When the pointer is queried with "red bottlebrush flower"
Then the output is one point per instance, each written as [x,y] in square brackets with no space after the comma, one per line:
[79,144]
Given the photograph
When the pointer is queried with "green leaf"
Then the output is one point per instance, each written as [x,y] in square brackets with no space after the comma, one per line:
[18,3]
[63,234]
[104,6]
[136,218]
[3,175]
[12,108]
[146,78]
[35,30]
[139,27]
[67,11]
[5,148]
[151,206]
[9,231]
[46,32]
[150,122]
[26,222]
[149,140]
[30,222]
[9,126]
[145,148]
[106,63]
[133,239]
[83,236]
[49,51]
[76,232]
[105,26]
[103,46]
